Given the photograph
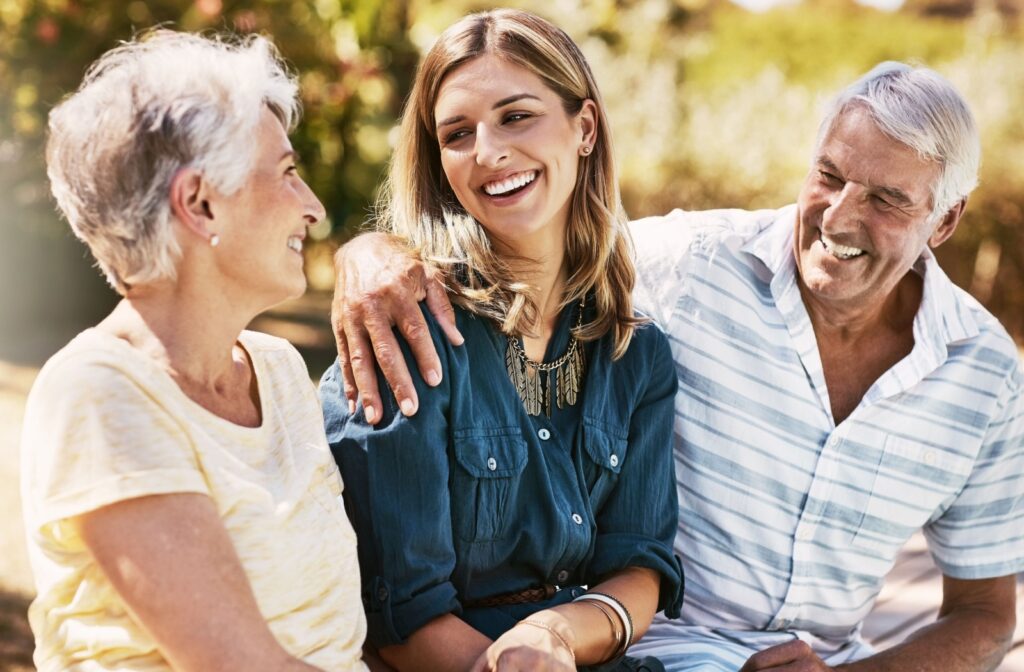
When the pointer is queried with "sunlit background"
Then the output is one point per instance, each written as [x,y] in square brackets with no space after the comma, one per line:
[713,104]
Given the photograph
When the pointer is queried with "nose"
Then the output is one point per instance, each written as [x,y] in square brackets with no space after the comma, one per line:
[314,209]
[843,211]
[491,150]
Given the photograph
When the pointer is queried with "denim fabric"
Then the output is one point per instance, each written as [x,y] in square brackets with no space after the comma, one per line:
[471,497]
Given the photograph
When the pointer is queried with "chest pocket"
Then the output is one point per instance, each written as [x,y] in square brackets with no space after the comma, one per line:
[914,483]
[490,464]
[604,453]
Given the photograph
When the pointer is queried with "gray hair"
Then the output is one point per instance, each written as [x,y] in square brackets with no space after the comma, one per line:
[921,109]
[145,110]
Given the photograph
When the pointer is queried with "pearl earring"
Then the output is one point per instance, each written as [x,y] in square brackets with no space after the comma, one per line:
[214,240]
[585,150]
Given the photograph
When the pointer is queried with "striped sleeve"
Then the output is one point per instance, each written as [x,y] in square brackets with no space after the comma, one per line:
[981,534]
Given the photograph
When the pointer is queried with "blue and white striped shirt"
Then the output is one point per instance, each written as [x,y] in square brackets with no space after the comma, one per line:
[787,522]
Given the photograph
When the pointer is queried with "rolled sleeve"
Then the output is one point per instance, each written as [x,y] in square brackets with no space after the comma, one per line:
[396,478]
[637,524]
[981,534]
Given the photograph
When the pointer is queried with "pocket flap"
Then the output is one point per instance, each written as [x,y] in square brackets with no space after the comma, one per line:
[604,448]
[491,453]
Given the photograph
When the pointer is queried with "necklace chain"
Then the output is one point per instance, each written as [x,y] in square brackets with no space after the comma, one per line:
[529,377]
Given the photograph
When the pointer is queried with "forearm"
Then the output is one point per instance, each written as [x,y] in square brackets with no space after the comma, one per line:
[965,640]
[593,637]
[445,643]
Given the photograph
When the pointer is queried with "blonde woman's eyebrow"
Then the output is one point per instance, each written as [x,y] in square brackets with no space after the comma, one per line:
[508,100]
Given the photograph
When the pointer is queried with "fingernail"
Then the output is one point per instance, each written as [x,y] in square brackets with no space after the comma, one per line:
[370,413]
[461,339]
[433,377]
[351,407]
[408,408]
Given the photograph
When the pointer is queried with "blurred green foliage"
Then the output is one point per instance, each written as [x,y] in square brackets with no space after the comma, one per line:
[712,106]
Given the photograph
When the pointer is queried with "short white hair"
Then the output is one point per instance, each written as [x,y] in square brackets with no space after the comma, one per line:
[147,109]
[921,109]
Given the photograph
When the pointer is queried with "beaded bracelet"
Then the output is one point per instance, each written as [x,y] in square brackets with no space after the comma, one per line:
[554,632]
[619,609]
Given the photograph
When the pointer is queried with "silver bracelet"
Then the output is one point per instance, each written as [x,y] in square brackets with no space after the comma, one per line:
[619,609]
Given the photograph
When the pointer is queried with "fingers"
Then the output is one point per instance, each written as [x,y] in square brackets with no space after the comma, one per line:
[441,307]
[348,381]
[416,333]
[791,656]
[361,367]
[392,365]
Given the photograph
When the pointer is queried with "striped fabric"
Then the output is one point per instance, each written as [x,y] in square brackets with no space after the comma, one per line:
[787,522]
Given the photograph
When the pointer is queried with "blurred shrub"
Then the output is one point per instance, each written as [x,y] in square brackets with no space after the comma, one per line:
[712,106]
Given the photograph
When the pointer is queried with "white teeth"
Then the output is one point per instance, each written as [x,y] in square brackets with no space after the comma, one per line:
[508,184]
[295,243]
[840,251]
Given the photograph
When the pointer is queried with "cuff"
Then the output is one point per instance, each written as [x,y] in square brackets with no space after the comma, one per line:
[615,552]
[389,623]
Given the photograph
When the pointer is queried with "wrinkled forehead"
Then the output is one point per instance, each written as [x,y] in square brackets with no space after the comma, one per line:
[859,148]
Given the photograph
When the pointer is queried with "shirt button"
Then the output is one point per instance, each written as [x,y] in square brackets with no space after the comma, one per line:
[804,533]
[382,594]
[613,460]
[562,577]
[492,463]
[577,518]
[544,434]
[834,441]
[930,457]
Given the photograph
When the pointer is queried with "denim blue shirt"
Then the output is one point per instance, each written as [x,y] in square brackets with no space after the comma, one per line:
[472,497]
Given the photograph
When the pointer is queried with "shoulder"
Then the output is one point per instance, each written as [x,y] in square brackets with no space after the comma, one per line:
[681,229]
[267,347]
[993,348]
[276,358]
[94,370]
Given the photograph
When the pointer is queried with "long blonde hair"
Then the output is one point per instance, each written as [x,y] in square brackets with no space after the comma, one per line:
[419,205]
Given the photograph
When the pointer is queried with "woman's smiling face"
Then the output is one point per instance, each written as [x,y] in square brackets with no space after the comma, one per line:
[510,151]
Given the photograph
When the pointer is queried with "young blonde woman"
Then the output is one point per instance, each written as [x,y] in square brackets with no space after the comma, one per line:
[182,507]
[524,517]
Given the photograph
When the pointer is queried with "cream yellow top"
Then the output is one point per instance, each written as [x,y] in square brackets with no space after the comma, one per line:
[105,424]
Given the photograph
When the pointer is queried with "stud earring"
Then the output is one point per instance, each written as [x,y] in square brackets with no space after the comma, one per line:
[585,150]
[214,240]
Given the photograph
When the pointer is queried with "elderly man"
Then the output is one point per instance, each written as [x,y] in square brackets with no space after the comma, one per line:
[837,393]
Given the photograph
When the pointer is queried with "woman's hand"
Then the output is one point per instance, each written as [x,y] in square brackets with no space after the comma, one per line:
[543,642]
[378,285]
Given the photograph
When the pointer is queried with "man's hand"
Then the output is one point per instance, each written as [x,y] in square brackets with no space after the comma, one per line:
[795,656]
[377,285]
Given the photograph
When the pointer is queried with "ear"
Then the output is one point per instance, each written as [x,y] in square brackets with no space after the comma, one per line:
[948,224]
[190,203]
[587,120]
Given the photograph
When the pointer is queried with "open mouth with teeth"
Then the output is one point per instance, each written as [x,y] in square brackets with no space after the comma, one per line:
[295,244]
[839,251]
[511,185]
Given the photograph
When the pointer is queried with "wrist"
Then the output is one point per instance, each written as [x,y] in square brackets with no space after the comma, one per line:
[558,623]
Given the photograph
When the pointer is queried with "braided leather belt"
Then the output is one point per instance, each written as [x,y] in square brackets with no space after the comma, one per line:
[544,592]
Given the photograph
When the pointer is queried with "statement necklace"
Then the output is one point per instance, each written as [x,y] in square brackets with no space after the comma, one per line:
[533,387]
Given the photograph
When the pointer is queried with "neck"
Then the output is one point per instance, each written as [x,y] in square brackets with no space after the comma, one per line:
[544,268]
[893,312]
[191,333]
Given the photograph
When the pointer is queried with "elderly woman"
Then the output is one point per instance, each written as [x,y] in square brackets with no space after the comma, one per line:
[182,506]
[523,518]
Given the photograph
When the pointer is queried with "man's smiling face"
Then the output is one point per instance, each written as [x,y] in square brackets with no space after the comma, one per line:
[864,215]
